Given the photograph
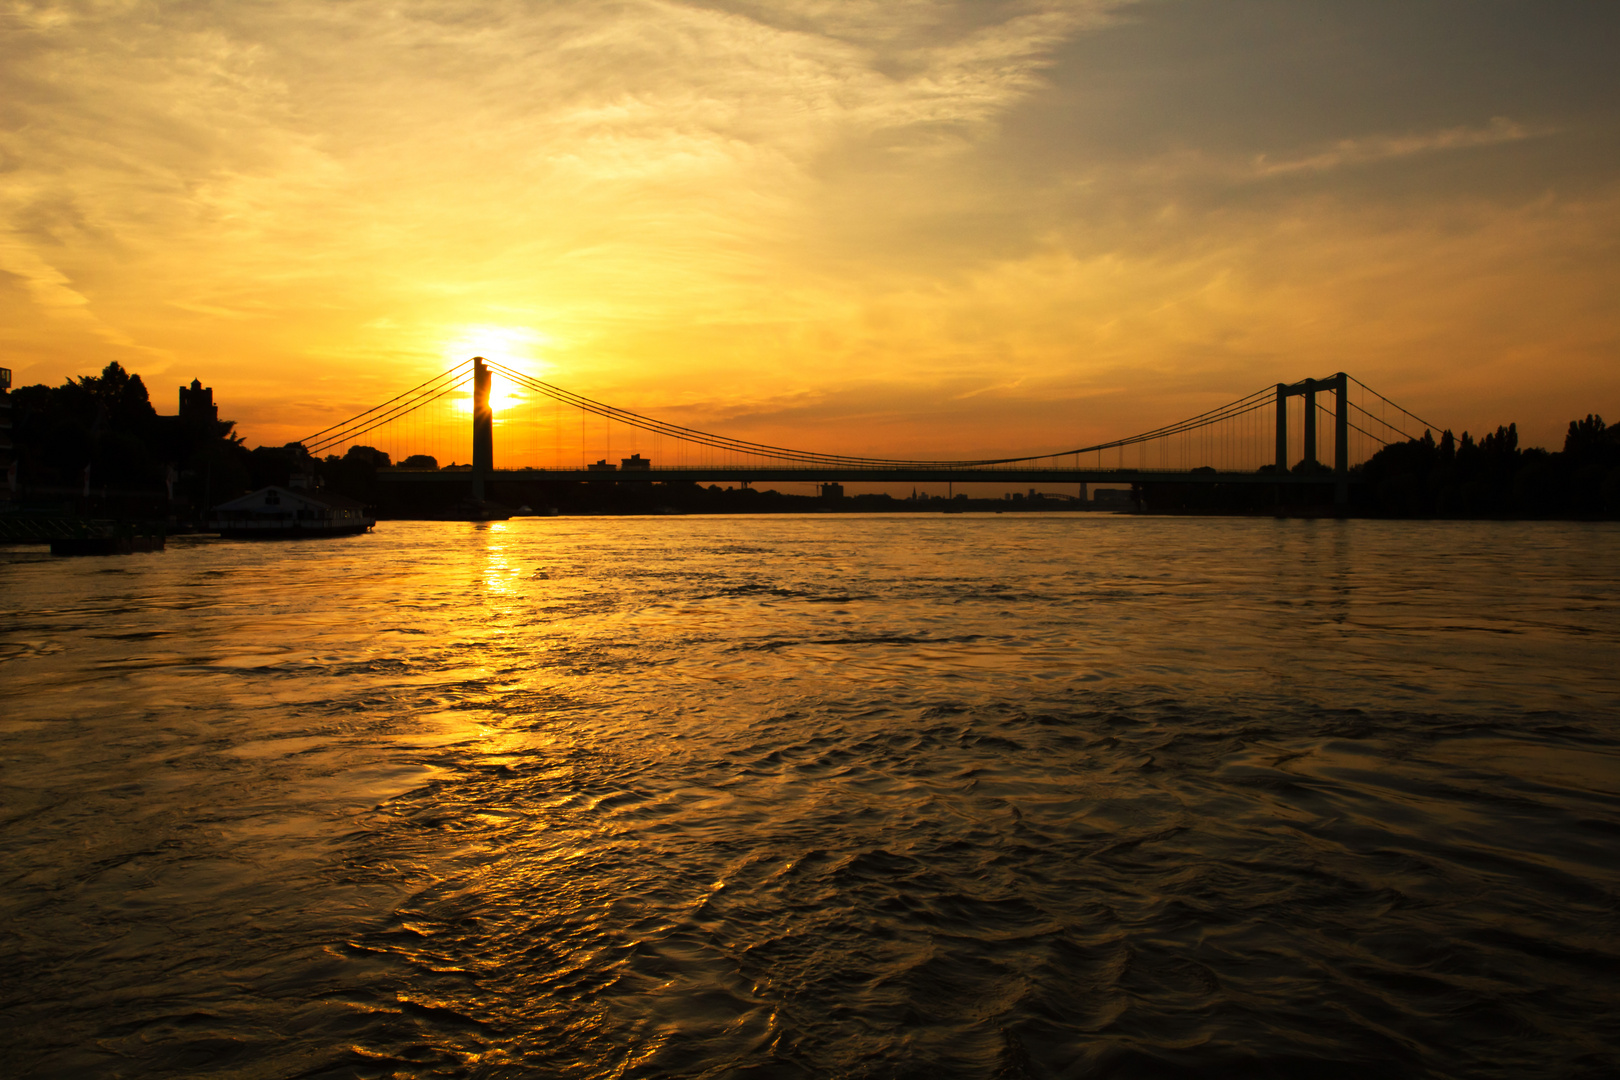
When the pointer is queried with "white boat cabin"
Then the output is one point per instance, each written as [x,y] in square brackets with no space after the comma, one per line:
[283,511]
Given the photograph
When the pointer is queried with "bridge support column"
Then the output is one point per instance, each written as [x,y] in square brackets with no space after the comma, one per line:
[483,418]
[1310,425]
[1341,439]
[1282,437]
[1282,427]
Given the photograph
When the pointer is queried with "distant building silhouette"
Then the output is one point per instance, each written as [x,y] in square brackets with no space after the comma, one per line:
[197,404]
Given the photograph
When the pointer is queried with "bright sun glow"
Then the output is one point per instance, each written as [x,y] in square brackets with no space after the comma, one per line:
[504,395]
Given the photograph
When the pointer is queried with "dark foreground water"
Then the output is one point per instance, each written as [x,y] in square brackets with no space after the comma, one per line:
[1060,796]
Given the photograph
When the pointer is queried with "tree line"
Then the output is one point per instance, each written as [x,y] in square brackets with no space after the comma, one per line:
[101,433]
[1496,477]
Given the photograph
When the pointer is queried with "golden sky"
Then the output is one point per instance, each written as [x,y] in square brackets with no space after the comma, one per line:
[900,227]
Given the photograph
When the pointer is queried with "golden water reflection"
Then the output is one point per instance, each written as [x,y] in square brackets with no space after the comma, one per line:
[819,795]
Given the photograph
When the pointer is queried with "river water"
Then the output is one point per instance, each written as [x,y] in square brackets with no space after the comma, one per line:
[866,796]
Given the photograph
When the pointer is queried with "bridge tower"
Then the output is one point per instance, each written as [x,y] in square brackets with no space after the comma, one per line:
[483,420]
[1339,386]
[1341,439]
[1309,460]
[1282,432]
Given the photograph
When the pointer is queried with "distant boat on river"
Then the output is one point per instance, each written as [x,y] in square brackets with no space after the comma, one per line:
[278,513]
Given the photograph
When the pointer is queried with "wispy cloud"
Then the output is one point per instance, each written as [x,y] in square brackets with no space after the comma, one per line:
[1363,151]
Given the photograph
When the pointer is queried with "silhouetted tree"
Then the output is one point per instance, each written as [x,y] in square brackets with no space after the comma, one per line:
[1495,477]
[279,464]
[1590,438]
[104,422]
[355,473]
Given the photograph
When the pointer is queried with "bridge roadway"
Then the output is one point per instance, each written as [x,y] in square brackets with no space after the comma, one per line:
[850,474]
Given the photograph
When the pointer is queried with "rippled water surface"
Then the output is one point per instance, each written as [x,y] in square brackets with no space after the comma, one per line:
[1038,796]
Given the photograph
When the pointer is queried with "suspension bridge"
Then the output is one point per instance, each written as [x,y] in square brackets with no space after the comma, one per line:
[550,435]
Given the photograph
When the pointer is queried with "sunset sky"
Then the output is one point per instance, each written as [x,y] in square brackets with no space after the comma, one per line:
[901,227]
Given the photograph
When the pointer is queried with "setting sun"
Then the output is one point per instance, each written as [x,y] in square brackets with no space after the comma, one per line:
[504,396]
[515,346]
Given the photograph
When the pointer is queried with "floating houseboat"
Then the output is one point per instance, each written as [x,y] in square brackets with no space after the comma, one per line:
[278,513]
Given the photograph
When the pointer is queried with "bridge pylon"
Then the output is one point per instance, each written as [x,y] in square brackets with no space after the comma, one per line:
[1339,386]
[483,421]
